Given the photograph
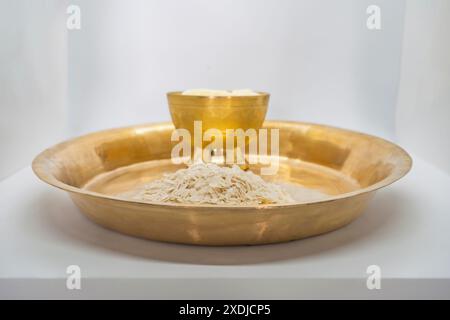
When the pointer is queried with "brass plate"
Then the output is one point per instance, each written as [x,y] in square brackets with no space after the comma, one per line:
[346,166]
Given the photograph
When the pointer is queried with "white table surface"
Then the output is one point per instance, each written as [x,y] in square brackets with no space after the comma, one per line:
[405,231]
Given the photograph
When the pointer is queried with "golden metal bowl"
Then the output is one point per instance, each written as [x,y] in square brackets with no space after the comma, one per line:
[218,112]
[348,166]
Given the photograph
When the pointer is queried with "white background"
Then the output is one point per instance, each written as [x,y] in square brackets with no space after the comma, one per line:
[33,80]
[316,58]
[319,62]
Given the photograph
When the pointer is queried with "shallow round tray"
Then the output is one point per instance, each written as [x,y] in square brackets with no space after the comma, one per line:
[348,166]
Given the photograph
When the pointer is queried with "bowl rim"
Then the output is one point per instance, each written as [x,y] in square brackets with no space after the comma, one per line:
[42,158]
[260,94]
[176,100]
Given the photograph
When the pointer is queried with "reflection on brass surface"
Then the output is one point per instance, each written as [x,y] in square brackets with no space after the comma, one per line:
[346,165]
